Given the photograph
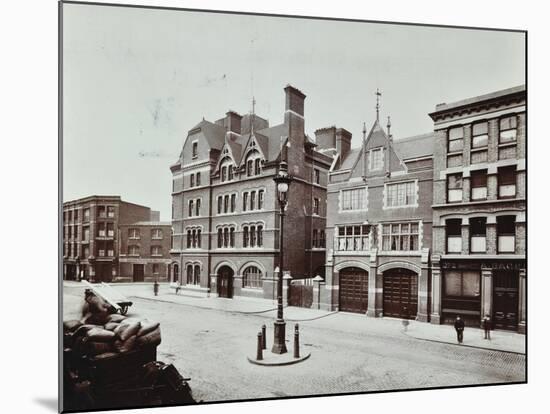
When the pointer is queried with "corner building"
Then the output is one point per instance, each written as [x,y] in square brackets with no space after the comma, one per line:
[479,223]
[225,212]
[91,239]
[379,225]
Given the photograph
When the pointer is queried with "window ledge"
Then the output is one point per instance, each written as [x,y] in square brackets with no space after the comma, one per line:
[507,144]
[479,149]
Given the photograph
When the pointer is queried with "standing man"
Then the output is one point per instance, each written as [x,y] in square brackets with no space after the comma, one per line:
[487,327]
[459,327]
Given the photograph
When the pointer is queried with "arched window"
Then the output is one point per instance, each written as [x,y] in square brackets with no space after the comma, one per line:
[260,240]
[232,237]
[220,238]
[225,203]
[198,207]
[226,237]
[260,199]
[197,275]
[233,202]
[176,278]
[252,236]
[194,233]
[252,278]
[199,238]
[189,274]
[219,204]
[224,173]
[226,169]
[189,239]
[245,236]
[253,164]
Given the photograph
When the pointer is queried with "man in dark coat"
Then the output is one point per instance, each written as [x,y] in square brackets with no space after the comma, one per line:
[487,327]
[459,327]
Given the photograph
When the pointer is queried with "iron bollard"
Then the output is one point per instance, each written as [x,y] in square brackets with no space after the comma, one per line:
[259,352]
[296,341]
[264,345]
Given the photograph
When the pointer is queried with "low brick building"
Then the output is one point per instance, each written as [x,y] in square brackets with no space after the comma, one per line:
[225,212]
[479,222]
[91,239]
[379,225]
[144,251]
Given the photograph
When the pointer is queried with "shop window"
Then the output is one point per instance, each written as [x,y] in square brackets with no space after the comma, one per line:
[462,283]
[453,231]
[478,233]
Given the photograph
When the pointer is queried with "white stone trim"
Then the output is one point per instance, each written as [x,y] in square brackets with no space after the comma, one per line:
[460,120]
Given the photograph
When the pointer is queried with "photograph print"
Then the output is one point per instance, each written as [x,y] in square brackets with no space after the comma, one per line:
[264,206]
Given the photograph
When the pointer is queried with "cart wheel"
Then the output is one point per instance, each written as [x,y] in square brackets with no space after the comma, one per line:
[124,310]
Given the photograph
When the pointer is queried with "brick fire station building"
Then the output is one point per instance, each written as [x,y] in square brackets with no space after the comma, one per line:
[379,225]
[225,212]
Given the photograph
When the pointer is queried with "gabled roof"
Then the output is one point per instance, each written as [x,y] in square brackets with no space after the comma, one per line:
[273,137]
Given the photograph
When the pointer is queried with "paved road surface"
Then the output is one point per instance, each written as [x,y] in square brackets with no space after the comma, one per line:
[211,347]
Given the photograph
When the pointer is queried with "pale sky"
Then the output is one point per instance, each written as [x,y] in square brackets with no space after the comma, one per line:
[136,80]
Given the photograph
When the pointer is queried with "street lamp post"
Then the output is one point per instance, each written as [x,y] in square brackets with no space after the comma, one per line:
[282,180]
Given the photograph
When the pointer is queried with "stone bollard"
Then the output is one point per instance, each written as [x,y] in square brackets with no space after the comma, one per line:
[296,341]
[264,344]
[259,352]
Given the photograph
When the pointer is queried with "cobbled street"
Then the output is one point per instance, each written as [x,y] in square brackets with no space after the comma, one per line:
[211,347]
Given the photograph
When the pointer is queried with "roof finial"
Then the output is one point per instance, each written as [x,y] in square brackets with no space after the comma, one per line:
[389,126]
[253,115]
[378,95]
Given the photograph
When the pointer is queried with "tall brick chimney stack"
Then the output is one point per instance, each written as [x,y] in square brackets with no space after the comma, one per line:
[325,138]
[233,122]
[294,120]
[343,142]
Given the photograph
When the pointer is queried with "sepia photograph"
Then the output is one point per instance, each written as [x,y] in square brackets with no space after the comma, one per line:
[268,206]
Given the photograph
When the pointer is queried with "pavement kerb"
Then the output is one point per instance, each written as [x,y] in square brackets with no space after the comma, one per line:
[234,310]
[320,317]
[462,345]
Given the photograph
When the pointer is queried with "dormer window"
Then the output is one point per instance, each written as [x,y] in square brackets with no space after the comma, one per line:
[226,170]
[253,164]
[376,159]
[195,149]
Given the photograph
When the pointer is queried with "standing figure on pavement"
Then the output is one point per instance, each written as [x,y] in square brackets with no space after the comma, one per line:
[459,327]
[487,326]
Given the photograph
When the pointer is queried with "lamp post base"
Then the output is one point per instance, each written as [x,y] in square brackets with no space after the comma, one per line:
[279,345]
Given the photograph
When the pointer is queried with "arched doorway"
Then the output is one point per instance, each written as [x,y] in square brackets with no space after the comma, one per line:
[176,273]
[400,293]
[354,289]
[225,282]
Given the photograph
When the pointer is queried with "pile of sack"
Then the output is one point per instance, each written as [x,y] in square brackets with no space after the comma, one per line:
[102,334]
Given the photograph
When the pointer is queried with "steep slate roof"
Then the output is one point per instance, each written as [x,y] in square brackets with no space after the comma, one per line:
[407,148]
[213,133]
[273,135]
[415,147]
[349,161]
